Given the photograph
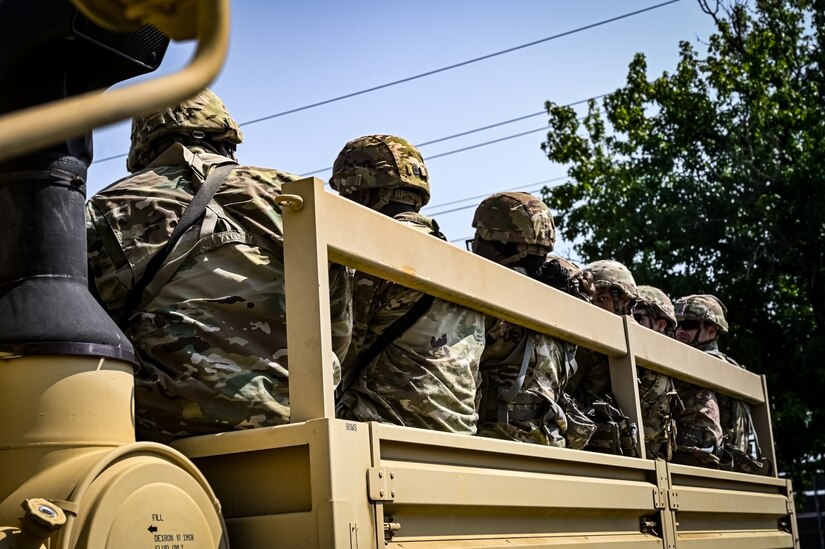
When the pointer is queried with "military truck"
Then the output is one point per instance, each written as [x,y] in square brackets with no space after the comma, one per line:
[72,474]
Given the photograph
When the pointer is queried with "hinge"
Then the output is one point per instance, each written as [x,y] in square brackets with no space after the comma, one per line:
[380,484]
[673,496]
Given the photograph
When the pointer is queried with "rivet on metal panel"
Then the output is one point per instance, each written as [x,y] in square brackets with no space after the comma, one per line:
[294,201]
[380,474]
[381,493]
[392,475]
[392,493]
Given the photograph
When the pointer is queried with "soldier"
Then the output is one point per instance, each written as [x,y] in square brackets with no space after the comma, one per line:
[615,292]
[709,420]
[657,393]
[205,306]
[524,372]
[413,359]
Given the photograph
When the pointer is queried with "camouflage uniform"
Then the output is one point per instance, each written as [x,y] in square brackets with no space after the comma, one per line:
[211,336]
[592,381]
[657,393]
[591,386]
[700,435]
[427,376]
[524,372]
[709,419]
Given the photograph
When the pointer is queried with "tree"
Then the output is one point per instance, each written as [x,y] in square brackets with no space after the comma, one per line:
[712,180]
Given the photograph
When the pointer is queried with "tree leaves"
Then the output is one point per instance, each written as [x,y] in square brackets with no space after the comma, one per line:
[710,180]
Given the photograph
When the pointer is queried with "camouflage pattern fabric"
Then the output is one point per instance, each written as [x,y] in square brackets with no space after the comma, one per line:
[591,388]
[204,113]
[610,273]
[733,413]
[380,162]
[428,376]
[702,307]
[515,218]
[699,430]
[658,303]
[592,379]
[535,414]
[660,405]
[212,340]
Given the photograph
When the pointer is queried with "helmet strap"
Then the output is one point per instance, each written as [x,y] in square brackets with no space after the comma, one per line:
[399,196]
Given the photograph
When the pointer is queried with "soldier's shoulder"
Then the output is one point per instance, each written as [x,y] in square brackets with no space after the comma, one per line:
[146,181]
[419,222]
[262,175]
[722,356]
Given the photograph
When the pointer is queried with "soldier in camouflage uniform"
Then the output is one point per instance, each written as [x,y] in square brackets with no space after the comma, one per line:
[615,292]
[657,394]
[709,420]
[209,328]
[523,372]
[425,375]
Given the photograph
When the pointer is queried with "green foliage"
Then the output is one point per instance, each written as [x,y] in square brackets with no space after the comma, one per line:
[710,180]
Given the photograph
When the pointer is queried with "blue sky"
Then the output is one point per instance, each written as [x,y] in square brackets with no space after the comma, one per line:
[285,55]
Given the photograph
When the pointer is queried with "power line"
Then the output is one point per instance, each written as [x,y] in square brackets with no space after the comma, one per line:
[439,70]
[497,124]
[328,168]
[462,63]
[460,200]
[467,207]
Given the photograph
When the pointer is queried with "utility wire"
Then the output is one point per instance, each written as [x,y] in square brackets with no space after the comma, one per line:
[328,168]
[462,63]
[441,69]
[460,200]
[467,207]
[497,124]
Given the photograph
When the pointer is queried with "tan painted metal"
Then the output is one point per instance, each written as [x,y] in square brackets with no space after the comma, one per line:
[67,440]
[41,126]
[326,482]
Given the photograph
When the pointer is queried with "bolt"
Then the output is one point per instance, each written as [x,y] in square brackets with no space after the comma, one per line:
[381,493]
[392,493]
[46,510]
[380,474]
[392,475]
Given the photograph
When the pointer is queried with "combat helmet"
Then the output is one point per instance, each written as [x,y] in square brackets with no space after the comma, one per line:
[515,218]
[381,162]
[203,115]
[612,274]
[704,308]
[659,303]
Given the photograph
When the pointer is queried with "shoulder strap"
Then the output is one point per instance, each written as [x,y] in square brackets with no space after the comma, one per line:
[193,212]
[506,396]
[382,341]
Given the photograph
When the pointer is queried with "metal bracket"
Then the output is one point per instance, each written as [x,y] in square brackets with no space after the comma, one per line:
[673,496]
[295,202]
[380,484]
[659,498]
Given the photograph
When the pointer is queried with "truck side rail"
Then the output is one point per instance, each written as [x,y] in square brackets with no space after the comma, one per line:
[321,227]
[327,482]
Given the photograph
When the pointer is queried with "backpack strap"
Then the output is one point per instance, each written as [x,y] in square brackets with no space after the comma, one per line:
[505,397]
[191,214]
[389,335]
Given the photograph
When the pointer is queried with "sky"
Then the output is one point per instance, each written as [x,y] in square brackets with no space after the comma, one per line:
[286,55]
